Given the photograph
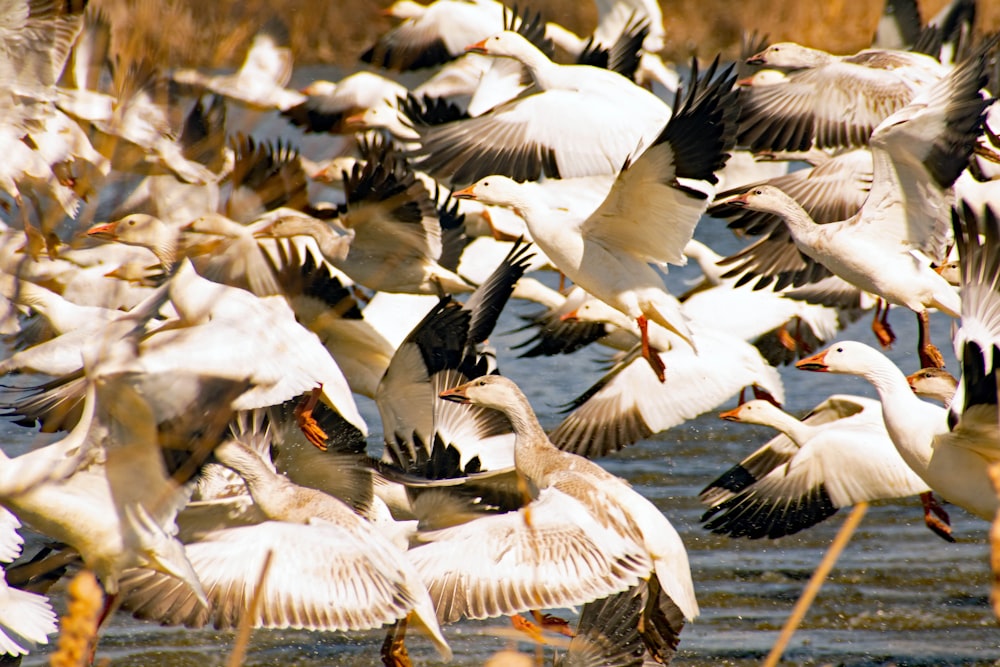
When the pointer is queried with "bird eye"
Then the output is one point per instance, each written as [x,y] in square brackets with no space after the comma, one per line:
[758,191]
[840,349]
[486,183]
[482,383]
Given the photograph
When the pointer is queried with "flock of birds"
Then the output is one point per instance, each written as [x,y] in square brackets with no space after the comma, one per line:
[190,314]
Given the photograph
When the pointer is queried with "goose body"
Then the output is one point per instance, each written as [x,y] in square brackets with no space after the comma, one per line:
[608,252]
[827,100]
[951,463]
[822,463]
[558,128]
[608,498]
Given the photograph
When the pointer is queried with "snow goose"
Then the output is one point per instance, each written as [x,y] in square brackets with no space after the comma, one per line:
[476,82]
[131,128]
[203,137]
[37,37]
[435,33]
[951,463]
[222,249]
[557,128]
[361,580]
[328,104]
[440,352]
[950,449]
[829,101]
[918,153]
[290,361]
[117,508]
[395,230]
[833,190]
[261,79]
[629,403]
[608,499]
[780,324]
[838,455]
[937,384]
[660,194]
[224,332]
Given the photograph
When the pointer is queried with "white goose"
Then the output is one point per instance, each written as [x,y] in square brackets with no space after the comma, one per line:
[838,455]
[952,463]
[261,79]
[327,104]
[950,451]
[827,100]
[117,508]
[560,129]
[629,403]
[888,246]
[607,498]
[331,569]
[435,33]
[660,195]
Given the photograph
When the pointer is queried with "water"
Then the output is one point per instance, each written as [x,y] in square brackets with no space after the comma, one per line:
[899,595]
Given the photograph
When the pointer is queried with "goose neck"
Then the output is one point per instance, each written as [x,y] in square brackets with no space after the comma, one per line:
[790,426]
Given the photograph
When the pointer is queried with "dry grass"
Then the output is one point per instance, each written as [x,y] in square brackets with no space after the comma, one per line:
[215,33]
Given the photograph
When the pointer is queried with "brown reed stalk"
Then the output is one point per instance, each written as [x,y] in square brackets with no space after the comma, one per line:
[246,623]
[994,472]
[805,600]
[78,628]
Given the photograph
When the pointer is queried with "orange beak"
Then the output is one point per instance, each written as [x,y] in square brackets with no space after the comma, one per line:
[464,193]
[730,415]
[736,200]
[478,47]
[355,121]
[455,395]
[102,231]
[746,81]
[571,315]
[817,363]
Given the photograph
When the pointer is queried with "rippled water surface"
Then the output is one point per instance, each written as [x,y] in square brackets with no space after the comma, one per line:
[899,595]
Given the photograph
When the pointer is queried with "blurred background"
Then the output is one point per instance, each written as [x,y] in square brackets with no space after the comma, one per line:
[214,33]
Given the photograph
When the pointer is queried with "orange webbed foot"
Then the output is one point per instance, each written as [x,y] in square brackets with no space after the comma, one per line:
[307,423]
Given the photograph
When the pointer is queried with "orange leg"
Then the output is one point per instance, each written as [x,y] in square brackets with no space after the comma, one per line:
[308,424]
[880,325]
[936,517]
[541,623]
[394,653]
[787,340]
[930,356]
[648,353]
[553,623]
[527,627]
